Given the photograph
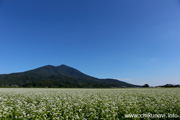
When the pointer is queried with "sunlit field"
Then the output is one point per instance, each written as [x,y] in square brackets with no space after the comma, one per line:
[85,104]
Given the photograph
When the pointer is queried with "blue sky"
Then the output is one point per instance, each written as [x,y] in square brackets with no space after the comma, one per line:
[136,41]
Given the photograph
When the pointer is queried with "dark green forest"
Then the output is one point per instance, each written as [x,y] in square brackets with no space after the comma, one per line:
[58,77]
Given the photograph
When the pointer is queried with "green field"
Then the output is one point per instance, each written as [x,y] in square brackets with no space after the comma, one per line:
[93,104]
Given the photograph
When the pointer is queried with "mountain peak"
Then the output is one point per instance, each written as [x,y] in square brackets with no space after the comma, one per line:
[63,65]
[48,66]
[49,70]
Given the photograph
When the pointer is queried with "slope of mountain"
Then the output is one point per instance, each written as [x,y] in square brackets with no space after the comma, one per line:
[58,76]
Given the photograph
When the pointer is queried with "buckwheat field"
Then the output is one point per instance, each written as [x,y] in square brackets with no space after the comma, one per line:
[87,104]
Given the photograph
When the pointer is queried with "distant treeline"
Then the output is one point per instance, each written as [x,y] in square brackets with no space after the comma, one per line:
[164,86]
[169,86]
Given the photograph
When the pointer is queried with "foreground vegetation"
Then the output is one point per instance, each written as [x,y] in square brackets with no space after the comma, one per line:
[105,104]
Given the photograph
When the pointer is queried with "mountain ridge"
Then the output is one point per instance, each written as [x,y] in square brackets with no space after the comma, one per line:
[58,76]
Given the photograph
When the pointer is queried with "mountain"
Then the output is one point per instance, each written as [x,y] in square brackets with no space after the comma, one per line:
[58,76]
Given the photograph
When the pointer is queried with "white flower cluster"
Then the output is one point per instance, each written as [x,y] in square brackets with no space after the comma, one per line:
[86,104]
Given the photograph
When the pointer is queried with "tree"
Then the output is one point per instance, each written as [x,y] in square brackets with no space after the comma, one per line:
[145,85]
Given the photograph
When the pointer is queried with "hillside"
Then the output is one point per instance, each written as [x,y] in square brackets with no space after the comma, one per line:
[58,76]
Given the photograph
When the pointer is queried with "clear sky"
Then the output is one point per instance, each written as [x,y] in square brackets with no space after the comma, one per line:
[137,41]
